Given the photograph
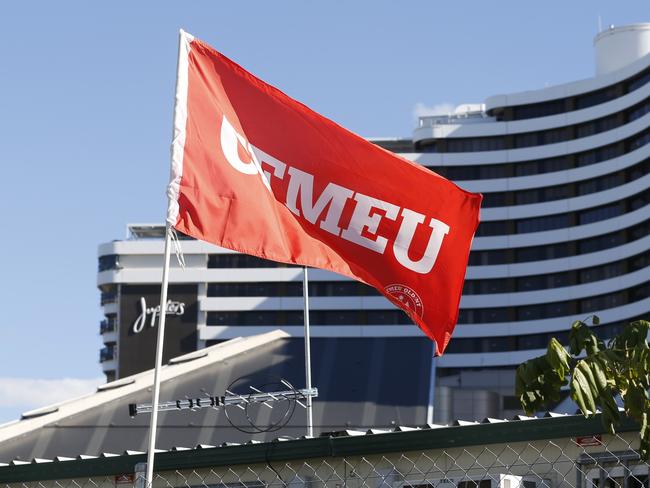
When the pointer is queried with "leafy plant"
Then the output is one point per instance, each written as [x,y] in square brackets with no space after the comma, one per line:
[595,372]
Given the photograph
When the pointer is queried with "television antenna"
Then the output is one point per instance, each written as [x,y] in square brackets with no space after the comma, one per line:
[240,409]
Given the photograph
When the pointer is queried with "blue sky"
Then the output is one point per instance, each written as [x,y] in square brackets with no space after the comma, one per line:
[86,91]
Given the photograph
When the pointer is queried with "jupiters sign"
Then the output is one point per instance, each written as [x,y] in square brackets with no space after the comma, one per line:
[152,313]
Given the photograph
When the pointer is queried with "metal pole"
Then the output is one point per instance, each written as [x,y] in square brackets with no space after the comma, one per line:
[178,141]
[159,352]
[432,391]
[177,149]
[305,294]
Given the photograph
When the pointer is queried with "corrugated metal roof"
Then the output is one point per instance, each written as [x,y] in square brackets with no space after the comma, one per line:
[376,383]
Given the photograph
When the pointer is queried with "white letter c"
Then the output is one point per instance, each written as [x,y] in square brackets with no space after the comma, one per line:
[229,139]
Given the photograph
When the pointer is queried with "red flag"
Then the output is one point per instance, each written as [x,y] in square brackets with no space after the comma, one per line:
[260,173]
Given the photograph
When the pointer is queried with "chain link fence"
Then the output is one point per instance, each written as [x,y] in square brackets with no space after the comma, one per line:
[608,461]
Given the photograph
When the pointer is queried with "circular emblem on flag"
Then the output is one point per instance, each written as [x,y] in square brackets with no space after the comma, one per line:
[410,300]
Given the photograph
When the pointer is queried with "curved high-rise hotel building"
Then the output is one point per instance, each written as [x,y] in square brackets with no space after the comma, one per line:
[565,229]
[564,234]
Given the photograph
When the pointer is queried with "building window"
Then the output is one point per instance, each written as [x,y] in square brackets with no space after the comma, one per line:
[243,261]
[108,295]
[275,318]
[475,144]
[541,253]
[290,289]
[336,317]
[554,309]
[548,165]
[638,81]
[552,136]
[597,97]
[600,243]
[485,258]
[638,111]
[256,289]
[108,262]
[107,353]
[562,220]
[540,166]
[639,141]
[560,192]
[559,250]
[519,342]
[599,125]
[600,213]
[109,324]
[540,224]
[535,110]
[481,287]
[497,199]
[493,228]
[557,280]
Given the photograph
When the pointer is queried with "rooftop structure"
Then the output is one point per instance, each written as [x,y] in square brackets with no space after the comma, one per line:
[363,387]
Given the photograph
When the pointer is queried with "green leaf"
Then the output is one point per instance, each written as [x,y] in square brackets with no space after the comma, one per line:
[635,401]
[611,415]
[599,373]
[584,368]
[635,334]
[575,344]
[558,358]
[581,337]
[582,394]
[531,385]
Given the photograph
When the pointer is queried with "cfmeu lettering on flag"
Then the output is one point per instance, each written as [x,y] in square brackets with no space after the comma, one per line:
[367,213]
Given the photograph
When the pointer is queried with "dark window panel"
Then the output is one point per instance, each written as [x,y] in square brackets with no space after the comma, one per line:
[554,309]
[108,262]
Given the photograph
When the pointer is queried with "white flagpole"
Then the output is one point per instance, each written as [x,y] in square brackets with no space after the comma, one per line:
[159,352]
[432,390]
[178,141]
[305,293]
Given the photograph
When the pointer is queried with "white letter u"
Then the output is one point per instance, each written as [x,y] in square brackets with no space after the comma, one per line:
[410,221]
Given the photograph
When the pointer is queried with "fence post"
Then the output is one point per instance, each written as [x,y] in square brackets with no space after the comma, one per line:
[140,475]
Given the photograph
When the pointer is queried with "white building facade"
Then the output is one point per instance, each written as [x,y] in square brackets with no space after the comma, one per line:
[564,234]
